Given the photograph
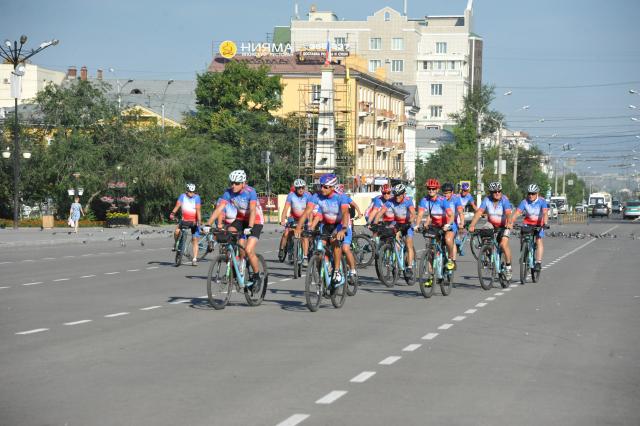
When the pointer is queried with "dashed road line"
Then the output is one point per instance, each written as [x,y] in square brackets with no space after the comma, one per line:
[498,294]
[87,276]
[152,267]
[490,299]
[293,420]
[430,336]
[470,311]
[481,305]
[331,397]
[111,273]
[459,318]
[445,326]
[389,360]
[4,263]
[35,330]
[61,279]
[33,283]
[3,287]
[363,377]
[119,314]
[69,256]
[285,279]
[133,270]
[78,322]
[48,258]
[506,289]
[28,260]
[514,286]
[412,347]
[148,308]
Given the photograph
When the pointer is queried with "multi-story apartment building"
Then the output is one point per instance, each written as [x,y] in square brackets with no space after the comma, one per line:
[439,54]
[35,79]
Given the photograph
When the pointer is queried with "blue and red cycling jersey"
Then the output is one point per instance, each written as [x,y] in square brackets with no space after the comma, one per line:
[329,207]
[401,210]
[466,199]
[438,209]
[242,201]
[533,212]
[297,204]
[188,207]
[496,212]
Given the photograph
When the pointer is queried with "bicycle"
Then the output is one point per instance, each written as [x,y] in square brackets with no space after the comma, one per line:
[392,257]
[528,252]
[288,248]
[363,247]
[319,283]
[491,265]
[231,269]
[183,243]
[433,264]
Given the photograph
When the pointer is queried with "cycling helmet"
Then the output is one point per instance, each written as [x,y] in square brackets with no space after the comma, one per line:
[399,189]
[447,186]
[533,188]
[465,186]
[340,188]
[191,187]
[329,179]
[495,187]
[238,176]
[432,183]
[385,188]
[299,183]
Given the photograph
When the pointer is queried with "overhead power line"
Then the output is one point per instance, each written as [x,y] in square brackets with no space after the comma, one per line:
[577,86]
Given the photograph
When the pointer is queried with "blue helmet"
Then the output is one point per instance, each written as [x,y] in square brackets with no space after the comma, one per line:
[329,179]
[465,186]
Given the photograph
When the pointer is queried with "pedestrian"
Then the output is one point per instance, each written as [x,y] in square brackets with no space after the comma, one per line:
[74,213]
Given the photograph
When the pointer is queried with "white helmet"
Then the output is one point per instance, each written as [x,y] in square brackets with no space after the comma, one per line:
[299,183]
[238,176]
[399,189]
[533,188]
[191,187]
[495,186]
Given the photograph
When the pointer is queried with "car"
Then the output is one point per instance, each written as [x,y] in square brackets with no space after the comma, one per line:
[600,210]
[581,208]
[631,209]
[553,210]
[616,207]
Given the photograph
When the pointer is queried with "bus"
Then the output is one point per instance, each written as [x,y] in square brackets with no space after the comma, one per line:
[561,203]
[599,198]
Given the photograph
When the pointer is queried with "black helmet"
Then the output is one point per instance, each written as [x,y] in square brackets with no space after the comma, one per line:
[447,186]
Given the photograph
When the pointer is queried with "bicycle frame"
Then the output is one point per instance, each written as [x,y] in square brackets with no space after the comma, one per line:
[530,240]
[327,260]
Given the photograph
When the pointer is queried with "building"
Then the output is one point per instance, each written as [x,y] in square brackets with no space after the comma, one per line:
[411,110]
[429,140]
[34,80]
[439,54]
[369,115]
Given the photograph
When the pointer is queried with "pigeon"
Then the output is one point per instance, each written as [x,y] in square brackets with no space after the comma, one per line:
[142,243]
[84,241]
[110,238]
[138,237]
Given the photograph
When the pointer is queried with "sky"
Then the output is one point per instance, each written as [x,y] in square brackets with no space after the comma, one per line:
[571,62]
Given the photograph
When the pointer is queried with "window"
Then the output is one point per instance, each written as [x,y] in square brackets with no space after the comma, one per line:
[387,16]
[340,41]
[439,65]
[436,89]
[397,43]
[427,65]
[374,64]
[315,93]
[441,47]
[397,65]
[452,65]
[436,111]
[375,43]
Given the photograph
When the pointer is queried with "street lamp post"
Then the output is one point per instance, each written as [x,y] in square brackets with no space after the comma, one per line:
[164,93]
[12,54]
[120,87]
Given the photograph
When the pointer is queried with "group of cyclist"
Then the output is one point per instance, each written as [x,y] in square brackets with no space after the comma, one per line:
[332,211]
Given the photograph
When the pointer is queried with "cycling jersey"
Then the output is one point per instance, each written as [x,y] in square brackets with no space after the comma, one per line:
[465,199]
[533,211]
[456,205]
[496,212]
[329,207]
[229,213]
[438,208]
[241,201]
[188,207]
[297,203]
[401,210]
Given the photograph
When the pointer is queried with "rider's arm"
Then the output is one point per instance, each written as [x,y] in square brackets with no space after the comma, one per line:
[355,206]
[308,211]
[412,214]
[198,214]
[252,213]
[285,213]
[545,214]
[175,209]
[378,216]
[216,213]
[476,218]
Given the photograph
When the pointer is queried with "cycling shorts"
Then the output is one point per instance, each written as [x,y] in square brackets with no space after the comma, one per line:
[503,232]
[327,228]
[240,227]
[195,229]
[406,229]
[540,233]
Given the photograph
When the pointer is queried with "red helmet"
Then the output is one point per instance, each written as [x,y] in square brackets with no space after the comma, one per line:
[432,183]
[385,188]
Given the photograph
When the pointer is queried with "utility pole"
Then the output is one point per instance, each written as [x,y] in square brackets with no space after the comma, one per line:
[500,152]
[479,162]
[555,176]
[515,165]
[563,180]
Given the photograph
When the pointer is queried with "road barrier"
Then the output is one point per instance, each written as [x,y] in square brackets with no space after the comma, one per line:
[572,217]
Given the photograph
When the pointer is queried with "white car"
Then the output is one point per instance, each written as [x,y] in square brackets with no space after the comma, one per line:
[553,211]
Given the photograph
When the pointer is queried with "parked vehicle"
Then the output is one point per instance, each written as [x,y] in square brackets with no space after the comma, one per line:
[553,210]
[616,206]
[600,210]
[561,202]
[599,198]
[631,209]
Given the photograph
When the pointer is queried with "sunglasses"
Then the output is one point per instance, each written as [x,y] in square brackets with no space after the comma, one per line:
[496,192]
[236,183]
[532,193]
[326,187]
[432,189]
[386,193]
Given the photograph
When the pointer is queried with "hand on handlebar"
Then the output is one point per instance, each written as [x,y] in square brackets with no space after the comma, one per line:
[172,216]
[340,235]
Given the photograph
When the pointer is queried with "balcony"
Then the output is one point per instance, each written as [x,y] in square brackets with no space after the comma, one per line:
[364,109]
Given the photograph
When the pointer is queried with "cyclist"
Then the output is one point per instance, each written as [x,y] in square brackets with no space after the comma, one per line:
[536,213]
[333,215]
[354,213]
[293,209]
[498,210]
[404,213]
[466,199]
[458,214]
[376,204]
[439,215]
[189,204]
[249,218]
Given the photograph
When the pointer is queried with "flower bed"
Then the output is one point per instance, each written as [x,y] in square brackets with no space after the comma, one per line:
[37,223]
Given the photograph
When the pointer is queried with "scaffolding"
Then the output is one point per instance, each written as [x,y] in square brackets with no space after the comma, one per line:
[309,112]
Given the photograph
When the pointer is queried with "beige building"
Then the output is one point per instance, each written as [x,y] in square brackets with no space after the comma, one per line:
[34,80]
[439,54]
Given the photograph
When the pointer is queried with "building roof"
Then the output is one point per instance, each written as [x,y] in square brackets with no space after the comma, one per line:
[432,138]
[412,99]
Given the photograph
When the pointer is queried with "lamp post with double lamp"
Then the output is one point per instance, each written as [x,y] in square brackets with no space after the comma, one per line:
[120,87]
[164,93]
[13,54]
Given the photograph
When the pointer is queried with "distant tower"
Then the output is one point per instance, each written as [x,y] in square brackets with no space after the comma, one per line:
[325,161]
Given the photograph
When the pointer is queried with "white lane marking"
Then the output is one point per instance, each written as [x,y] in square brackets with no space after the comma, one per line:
[285,279]
[445,326]
[77,322]
[331,397]
[35,330]
[152,267]
[490,299]
[70,256]
[498,294]
[389,360]
[411,348]
[430,336]
[119,252]
[4,263]
[363,377]
[133,270]
[293,420]
[506,289]
[119,314]
[514,286]
[86,254]
[481,305]
[148,308]
[4,287]
[61,279]
[33,283]
[111,273]
[459,318]
[48,258]
[87,276]
[28,260]
[267,252]
[470,311]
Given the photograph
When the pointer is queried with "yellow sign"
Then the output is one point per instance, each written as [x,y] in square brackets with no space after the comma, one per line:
[228,49]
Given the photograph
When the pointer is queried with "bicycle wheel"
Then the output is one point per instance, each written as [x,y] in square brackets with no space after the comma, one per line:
[524,265]
[220,282]
[426,275]
[351,282]
[485,267]
[363,250]
[339,290]
[535,275]
[180,248]
[283,256]
[203,247]
[446,283]
[409,280]
[256,291]
[475,243]
[297,260]
[386,263]
[313,284]
[504,282]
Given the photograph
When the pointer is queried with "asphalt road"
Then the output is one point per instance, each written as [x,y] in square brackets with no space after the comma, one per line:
[100,334]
